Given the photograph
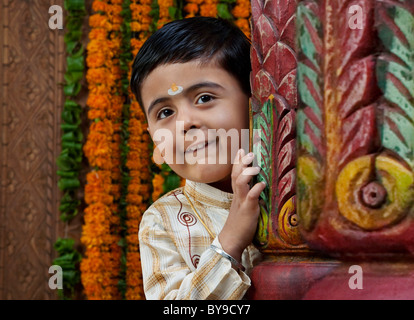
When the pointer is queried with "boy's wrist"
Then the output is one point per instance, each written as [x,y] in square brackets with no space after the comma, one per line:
[228,246]
[235,263]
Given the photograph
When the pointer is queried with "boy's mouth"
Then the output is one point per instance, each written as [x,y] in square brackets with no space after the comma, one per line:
[198,146]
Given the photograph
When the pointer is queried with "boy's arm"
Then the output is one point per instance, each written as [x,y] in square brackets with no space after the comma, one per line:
[167,276]
[241,223]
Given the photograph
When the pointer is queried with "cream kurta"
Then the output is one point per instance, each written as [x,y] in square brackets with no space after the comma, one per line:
[176,258]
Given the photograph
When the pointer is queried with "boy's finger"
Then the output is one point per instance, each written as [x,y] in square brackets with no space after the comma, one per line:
[243,162]
[247,159]
[239,155]
[250,171]
[238,164]
[255,192]
[242,181]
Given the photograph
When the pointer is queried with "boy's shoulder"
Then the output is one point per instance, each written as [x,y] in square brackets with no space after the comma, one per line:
[168,199]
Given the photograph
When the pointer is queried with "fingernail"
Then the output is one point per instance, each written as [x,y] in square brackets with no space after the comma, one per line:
[251,154]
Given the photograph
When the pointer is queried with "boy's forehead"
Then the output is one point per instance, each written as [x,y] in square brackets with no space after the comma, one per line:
[176,70]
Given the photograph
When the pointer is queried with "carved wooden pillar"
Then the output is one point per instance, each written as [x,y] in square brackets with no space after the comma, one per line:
[355,147]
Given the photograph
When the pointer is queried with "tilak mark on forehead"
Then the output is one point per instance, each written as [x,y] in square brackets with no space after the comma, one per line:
[175,90]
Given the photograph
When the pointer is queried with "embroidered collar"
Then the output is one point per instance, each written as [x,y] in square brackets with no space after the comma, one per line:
[208,195]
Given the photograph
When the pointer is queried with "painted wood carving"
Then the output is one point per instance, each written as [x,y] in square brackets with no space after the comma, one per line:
[274,102]
[355,126]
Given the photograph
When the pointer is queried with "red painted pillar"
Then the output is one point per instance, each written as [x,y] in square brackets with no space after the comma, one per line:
[333,94]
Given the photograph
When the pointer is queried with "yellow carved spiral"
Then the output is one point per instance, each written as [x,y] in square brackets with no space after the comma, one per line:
[375,193]
[287,224]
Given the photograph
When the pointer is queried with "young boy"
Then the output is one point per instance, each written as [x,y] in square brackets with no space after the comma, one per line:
[191,77]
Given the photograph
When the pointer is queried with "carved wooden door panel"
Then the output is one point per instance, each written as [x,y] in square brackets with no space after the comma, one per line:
[31,68]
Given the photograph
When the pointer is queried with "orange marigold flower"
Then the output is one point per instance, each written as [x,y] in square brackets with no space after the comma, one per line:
[134,293]
[132,239]
[241,12]
[134,188]
[98,5]
[209,8]
[134,199]
[95,61]
[98,101]
[243,24]
[145,14]
[96,114]
[114,9]
[146,21]
[116,190]
[99,177]
[99,21]
[136,43]
[158,186]
[133,261]
[99,76]
[116,174]
[135,26]
[191,8]
[95,46]
[133,212]
[132,226]
[98,34]
[98,198]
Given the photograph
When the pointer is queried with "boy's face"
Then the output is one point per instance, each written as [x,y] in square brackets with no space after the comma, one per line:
[186,103]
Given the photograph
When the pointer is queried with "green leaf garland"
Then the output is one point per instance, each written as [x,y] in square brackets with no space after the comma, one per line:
[70,158]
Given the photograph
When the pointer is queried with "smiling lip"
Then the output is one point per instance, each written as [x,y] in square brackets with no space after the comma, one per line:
[199,146]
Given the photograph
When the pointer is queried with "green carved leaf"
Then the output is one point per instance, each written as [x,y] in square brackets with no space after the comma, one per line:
[308,26]
[309,133]
[263,122]
[392,140]
[303,136]
[395,75]
[307,76]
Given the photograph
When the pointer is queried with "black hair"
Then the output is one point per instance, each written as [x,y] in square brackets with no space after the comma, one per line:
[198,38]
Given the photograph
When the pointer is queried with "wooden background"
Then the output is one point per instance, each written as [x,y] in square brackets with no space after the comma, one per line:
[31,70]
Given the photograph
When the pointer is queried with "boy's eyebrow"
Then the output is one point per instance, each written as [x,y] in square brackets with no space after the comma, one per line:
[205,84]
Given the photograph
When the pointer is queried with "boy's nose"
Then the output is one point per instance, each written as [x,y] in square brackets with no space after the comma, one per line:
[190,121]
[186,129]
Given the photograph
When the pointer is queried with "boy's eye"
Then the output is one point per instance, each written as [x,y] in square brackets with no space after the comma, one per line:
[204,99]
[164,113]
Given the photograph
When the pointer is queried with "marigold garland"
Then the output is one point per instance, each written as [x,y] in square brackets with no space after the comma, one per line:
[137,198]
[137,160]
[101,266]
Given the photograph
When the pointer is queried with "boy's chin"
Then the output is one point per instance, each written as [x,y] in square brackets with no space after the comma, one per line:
[204,173]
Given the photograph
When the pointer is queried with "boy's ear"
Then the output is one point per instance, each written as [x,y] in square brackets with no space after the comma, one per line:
[157,156]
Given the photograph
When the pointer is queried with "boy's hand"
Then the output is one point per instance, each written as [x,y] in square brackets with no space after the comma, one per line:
[240,226]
